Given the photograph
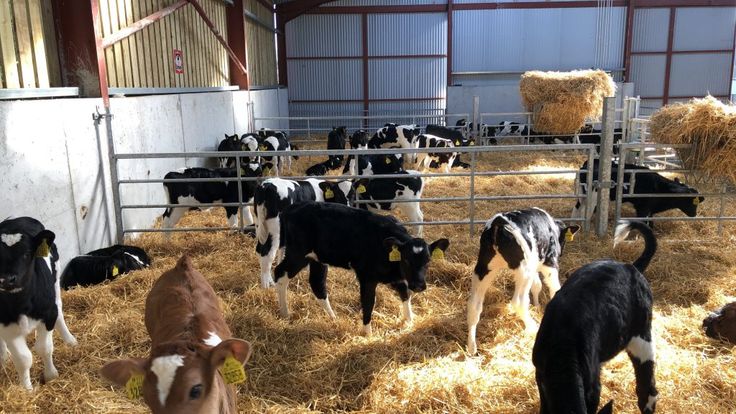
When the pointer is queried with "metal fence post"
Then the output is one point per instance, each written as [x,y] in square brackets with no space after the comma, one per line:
[309,130]
[240,194]
[476,118]
[604,167]
[623,150]
[472,193]
[114,179]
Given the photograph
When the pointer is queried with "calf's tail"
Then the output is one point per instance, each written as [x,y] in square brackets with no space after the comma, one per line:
[650,242]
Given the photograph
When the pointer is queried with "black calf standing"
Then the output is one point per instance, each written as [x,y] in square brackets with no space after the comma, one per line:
[336,140]
[602,309]
[376,247]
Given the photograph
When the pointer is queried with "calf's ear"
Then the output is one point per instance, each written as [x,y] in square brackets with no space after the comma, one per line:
[42,243]
[441,244]
[390,242]
[119,372]
[236,348]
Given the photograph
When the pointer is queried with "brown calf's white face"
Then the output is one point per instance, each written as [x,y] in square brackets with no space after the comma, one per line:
[182,377]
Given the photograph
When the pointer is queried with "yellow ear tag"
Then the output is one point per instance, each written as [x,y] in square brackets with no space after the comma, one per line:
[388,160]
[457,143]
[43,249]
[243,147]
[438,254]
[394,255]
[261,148]
[242,171]
[361,189]
[696,201]
[472,143]
[329,193]
[134,386]
[115,270]
[569,235]
[266,171]
[232,371]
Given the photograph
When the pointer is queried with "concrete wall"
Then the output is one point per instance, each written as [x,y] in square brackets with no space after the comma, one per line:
[501,96]
[53,156]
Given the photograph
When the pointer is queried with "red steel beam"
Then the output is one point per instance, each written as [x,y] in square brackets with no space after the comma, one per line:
[686,52]
[100,53]
[293,9]
[629,39]
[434,98]
[668,64]
[141,24]
[449,42]
[438,56]
[237,42]
[281,46]
[238,64]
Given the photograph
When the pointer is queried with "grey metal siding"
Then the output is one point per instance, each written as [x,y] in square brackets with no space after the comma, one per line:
[407,78]
[323,35]
[650,30]
[647,73]
[325,79]
[525,39]
[401,34]
[698,74]
[704,28]
[347,3]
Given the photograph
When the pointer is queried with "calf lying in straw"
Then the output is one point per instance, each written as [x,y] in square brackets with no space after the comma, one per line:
[193,359]
[721,324]
[602,309]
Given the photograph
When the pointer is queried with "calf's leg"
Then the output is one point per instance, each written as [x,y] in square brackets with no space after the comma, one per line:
[3,352]
[524,277]
[367,301]
[22,359]
[551,279]
[478,289]
[171,217]
[45,347]
[641,352]
[318,283]
[284,272]
[267,250]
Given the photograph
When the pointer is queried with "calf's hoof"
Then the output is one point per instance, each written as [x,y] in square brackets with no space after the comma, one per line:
[367,330]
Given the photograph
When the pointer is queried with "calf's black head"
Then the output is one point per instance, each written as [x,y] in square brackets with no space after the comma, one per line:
[413,257]
[722,324]
[230,143]
[359,139]
[688,205]
[336,191]
[18,252]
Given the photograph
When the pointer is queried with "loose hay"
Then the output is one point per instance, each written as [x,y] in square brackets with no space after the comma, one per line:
[312,364]
[562,101]
[709,125]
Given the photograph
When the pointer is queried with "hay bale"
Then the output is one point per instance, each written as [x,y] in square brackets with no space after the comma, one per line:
[562,101]
[709,125]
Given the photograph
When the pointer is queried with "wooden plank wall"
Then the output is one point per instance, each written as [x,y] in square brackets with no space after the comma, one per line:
[28,52]
[262,65]
[146,59]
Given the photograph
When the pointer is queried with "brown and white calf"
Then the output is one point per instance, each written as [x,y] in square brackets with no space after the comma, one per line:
[190,342]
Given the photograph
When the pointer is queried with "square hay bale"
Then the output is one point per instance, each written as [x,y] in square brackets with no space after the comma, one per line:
[709,125]
[563,101]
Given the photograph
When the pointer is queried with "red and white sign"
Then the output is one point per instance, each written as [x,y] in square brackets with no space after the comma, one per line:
[178,61]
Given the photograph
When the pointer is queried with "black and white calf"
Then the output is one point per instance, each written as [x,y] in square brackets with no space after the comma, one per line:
[395,136]
[248,142]
[99,265]
[603,308]
[508,128]
[359,139]
[30,298]
[209,192]
[527,242]
[336,140]
[375,164]
[272,197]
[645,182]
[394,191]
[376,247]
[454,135]
[275,141]
[442,160]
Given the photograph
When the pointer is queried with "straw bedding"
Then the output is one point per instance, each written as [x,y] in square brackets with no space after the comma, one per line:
[561,102]
[709,125]
[311,364]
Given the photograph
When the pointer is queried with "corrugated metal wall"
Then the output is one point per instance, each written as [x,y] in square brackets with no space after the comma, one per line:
[699,55]
[262,64]
[524,39]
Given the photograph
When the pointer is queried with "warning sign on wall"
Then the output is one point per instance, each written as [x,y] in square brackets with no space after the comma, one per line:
[178,61]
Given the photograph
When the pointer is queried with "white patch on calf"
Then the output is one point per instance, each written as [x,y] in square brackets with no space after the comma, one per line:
[650,402]
[418,250]
[313,256]
[641,349]
[11,239]
[282,186]
[165,369]
[345,186]
[213,340]
[134,257]
[319,195]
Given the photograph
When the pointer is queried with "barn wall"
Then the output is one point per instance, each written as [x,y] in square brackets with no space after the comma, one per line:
[28,53]
[262,66]
[146,59]
[55,170]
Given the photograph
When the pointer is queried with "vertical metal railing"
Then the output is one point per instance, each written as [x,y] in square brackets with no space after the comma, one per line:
[604,166]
